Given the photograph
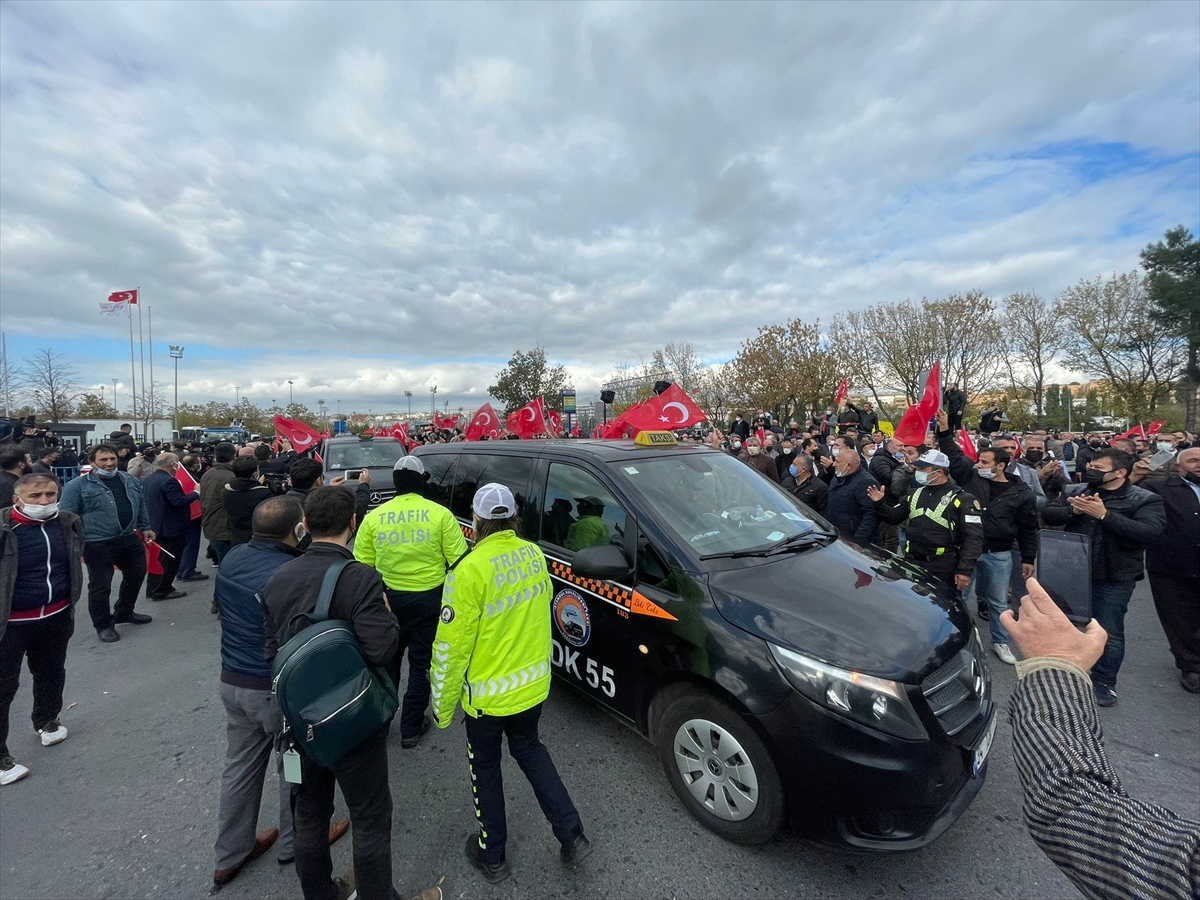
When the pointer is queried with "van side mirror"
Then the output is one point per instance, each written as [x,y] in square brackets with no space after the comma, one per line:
[603,562]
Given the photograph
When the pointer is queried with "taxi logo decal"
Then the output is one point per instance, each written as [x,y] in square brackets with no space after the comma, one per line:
[572,618]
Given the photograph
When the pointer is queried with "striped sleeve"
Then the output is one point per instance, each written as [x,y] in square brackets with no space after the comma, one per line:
[1109,844]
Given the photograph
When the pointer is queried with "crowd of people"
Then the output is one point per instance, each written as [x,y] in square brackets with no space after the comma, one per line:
[969,513]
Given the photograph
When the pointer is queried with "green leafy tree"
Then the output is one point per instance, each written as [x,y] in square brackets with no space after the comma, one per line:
[785,367]
[1053,414]
[92,406]
[1173,273]
[525,377]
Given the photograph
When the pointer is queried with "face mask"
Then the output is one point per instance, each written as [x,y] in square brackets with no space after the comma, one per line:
[898,456]
[1095,477]
[987,474]
[736,445]
[921,477]
[835,451]
[1093,443]
[869,452]
[39,512]
[753,451]
[793,472]
[1163,445]
[1034,456]
[787,451]
[104,474]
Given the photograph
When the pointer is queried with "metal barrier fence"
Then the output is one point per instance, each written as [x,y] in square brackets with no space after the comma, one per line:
[66,473]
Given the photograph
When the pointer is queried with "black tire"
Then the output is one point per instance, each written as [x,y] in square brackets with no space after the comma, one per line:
[724,791]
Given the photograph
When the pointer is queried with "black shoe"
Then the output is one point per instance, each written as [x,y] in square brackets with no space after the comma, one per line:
[577,851]
[1106,695]
[474,853]
[199,576]
[214,609]
[984,612]
[409,743]
[174,595]
[108,635]
[134,619]
[1190,681]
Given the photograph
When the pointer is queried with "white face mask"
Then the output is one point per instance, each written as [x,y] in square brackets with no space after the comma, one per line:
[753,451]
[988,474]
[103,473]
[41,512]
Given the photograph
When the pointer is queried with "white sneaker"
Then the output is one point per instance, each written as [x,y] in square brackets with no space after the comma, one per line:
[1006,655]
[52,733]
[11,771]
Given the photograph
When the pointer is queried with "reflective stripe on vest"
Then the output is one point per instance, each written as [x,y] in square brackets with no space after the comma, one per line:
[517,597]
[936,515]
[494,687]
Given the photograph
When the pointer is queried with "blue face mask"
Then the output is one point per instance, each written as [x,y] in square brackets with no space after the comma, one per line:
[792,471]
[103,474]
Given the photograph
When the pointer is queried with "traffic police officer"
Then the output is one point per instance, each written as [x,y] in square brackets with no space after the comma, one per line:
[945,523]
[493,653]
[411,541]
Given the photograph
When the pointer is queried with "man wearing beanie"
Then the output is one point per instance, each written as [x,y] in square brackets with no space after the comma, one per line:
[411,541]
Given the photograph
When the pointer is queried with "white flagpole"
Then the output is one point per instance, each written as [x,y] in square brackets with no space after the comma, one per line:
[150,325]
[132,370]
[142,354]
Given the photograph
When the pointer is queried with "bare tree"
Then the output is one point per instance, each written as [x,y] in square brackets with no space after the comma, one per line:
[715,392]
[1116,337]
[51,383]
[680,361]
[1037,334]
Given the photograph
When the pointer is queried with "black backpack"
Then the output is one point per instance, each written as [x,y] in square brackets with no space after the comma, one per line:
[331,698]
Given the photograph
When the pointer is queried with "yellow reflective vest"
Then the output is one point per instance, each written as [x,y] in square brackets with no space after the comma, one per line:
[410,541]
[492,650]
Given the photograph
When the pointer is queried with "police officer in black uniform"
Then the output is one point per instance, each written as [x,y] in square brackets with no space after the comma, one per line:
[945,523]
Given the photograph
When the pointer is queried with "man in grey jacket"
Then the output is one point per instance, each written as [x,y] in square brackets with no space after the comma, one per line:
[113,512]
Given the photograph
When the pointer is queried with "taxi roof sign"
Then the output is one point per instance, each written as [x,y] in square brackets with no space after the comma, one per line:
[655,439]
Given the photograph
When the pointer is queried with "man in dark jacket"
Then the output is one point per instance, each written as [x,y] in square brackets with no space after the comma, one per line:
[362,773]
[14,462]
[740,427]
[253,722]
[240,496]
[847,505]
[944,533]
[171,520]
[800,480]
[41,579]
[868,419]
[1009,514]
[1121,520]
[1173,562]
[214,518]
[955,402]
[755,458]
[989,421]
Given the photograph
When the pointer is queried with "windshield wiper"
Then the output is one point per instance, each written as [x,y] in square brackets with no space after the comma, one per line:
[795,542]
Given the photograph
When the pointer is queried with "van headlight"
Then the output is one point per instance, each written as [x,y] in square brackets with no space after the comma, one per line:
[874,702]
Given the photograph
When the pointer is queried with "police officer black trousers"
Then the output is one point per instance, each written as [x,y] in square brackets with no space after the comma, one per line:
[484,737]
[416,613]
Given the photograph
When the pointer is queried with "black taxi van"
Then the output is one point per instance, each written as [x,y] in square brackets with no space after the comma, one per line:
[783,674]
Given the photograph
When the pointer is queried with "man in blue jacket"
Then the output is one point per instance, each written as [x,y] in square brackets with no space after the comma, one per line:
[253,720]
[847,505]
[113,510]
[171,520]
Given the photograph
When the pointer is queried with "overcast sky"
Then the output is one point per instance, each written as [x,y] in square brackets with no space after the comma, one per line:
[369,198]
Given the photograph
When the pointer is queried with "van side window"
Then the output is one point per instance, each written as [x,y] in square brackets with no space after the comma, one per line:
[439,480]
[477,469]
[579,510]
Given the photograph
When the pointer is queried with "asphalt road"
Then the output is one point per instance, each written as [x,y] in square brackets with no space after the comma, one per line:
[127,805]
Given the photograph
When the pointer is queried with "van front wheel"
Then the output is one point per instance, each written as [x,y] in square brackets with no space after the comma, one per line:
[720,769]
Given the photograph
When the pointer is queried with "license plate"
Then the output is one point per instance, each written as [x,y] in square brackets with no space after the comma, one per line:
[979,757]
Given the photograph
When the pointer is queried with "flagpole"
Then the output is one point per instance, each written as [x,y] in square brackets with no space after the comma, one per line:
[4,353]
[142,355]
[132,370]
[150,324]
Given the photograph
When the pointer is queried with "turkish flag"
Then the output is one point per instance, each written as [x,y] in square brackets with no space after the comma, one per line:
[843,391]
[124,297]
[554,420]
[670,410]
[575,430]
[1156,427]
[967,445]
[530,419]
[914,424]
[153,557]
[484,422]
[448,422]
[302,436]
[188,483]
[1137,431]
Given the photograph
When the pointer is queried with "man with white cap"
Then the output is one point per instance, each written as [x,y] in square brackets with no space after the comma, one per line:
[945,524]
[492,653]
[411,541]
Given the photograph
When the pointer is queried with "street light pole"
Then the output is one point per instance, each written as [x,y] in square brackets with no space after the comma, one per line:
[114,381]
[290,399]
[433,399]
[176,354]
[408,394]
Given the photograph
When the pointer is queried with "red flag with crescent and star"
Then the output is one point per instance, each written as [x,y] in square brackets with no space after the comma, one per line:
[400,433]
[530,419]
[123,297]
[554,420]
[301,436]
[914,424]
[484,422]
[670,410]
[842,392]
[188,483]
[967,445]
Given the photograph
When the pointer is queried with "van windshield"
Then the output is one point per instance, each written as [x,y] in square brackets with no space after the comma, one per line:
[363,455]
[717,504]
